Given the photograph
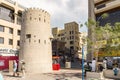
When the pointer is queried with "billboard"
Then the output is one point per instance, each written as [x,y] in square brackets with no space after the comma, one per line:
[110,54]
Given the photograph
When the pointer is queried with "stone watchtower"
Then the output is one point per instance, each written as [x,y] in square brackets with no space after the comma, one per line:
[36,41]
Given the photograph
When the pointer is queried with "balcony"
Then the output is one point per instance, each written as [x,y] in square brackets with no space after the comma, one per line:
[97,1]
[10,1]
[108,6]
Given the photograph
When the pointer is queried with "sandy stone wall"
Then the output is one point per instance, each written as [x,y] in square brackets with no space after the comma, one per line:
[35,41]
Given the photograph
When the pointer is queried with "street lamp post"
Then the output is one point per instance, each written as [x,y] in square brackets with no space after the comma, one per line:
[82,62]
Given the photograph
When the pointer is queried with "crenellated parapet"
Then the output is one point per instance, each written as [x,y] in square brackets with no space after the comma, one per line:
[36,14]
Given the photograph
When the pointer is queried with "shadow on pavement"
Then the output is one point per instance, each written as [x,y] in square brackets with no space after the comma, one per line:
[65,75]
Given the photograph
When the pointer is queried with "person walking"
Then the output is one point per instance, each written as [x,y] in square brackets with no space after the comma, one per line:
[100,67]
[115,70]
[23,69]
[93,65]
[87,67]
[105,63]
[15,68]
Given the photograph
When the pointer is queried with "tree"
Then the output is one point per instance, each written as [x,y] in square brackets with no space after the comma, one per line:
[104,36]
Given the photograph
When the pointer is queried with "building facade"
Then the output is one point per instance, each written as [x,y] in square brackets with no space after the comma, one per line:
[97,8]
[111,7]
[10,27]
[70,34]
[58,47]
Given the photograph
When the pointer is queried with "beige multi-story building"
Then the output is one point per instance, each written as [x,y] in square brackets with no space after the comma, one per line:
[10,27]
[111,7]
[70,34]
[99,7]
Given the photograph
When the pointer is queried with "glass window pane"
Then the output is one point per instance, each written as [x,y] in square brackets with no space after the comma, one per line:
[18,43]
[10,30]
[1,28]
[18,32]
[1,40]
[6,14]
[10,41]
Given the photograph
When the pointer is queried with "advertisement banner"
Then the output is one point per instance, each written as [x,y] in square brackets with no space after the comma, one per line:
[4,61]
[111,54]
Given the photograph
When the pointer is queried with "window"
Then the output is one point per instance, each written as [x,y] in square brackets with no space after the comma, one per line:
[18,43]
[18,32]
[1,40]
[58,34]
[30,18]
[10,41]
[113,17]
[72,47]
[71,42]
[39,19]
[63,38]
[44,20]
[10,30]
[28,35]
[70,32]
[72,37]
[6,14]
[19,18]
[1,28]
[45,41]
[39,40]
[100,6]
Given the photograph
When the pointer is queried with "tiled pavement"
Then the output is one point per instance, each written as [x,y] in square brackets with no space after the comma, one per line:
[8,76]
[55,75]
[12,78]
[63,74]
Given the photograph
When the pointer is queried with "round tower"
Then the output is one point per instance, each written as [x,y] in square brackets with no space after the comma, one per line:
[36,41]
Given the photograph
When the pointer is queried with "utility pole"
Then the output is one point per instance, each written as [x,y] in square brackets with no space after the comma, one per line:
[82,61]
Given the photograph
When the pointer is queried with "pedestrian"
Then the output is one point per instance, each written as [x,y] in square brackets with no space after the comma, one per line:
[87,67]
[23,68]
[105,63]
[109,64]
[93,65]
[15,68]
[100,67]
[1,76]
[115,70]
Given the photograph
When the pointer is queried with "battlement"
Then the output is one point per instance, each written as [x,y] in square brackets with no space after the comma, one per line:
[36,14]
[36,9]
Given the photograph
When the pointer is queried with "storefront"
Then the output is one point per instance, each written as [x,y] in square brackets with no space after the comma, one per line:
[7,55]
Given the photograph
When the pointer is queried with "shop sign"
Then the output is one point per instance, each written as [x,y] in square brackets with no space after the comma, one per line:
[8,51]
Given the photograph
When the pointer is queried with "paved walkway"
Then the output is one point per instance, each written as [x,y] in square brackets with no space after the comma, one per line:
[63,74]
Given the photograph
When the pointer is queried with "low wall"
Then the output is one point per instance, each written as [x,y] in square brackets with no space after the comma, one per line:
[94,75]
[110,74]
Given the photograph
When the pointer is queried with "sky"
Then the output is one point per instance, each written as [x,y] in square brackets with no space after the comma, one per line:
[61,11]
